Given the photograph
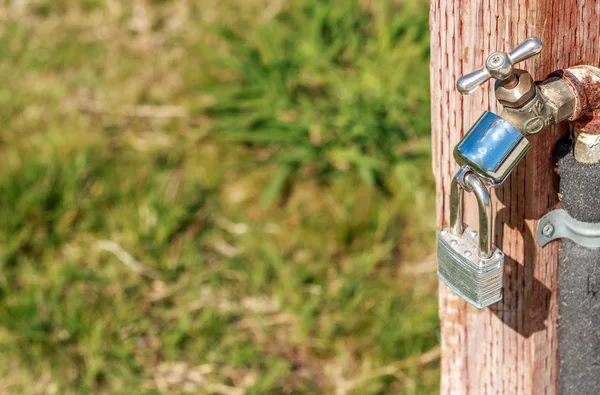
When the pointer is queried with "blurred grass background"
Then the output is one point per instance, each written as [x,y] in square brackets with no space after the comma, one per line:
[219,197]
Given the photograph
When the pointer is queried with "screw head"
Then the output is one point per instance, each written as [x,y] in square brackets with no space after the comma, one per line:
[496,59]
[468,253]
[499,66]
[548,230]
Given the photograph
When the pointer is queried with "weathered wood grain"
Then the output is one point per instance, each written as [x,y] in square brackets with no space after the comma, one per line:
[511,347]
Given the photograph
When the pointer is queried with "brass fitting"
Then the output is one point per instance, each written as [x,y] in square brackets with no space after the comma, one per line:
[523,91]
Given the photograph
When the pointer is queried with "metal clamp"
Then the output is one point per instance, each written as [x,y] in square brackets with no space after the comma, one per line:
[559,224]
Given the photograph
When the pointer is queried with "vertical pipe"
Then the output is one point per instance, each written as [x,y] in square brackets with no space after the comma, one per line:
[579,280]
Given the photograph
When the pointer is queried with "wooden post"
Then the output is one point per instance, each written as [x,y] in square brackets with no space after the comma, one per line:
[510,347]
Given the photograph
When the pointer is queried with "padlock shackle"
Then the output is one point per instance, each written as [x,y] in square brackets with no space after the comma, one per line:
[457,196]
[485,214]
[484,202]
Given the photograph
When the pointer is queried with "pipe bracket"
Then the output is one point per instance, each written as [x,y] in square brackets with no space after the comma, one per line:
[559,224]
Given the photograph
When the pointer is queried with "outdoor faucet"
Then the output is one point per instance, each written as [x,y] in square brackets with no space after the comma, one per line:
[468,261]
[493,148]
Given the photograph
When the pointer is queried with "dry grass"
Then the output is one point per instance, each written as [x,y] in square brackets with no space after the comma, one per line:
[191,204]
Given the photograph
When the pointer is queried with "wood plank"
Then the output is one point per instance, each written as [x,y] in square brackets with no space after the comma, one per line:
[510,347]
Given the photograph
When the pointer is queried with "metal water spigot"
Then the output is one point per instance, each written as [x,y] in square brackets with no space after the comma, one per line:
[528,107]
[468,262]
[496,144]
[499,65]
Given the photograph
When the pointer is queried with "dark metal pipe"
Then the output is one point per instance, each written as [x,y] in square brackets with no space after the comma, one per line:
[579,267]
[579,280]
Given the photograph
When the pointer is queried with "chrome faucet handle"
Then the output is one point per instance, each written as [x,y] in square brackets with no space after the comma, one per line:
[499,65]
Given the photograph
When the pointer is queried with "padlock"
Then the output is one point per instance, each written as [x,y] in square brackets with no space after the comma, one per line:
[492,148]
[468,262]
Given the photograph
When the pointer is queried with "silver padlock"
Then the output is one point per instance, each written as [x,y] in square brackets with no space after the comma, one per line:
[468,262]
[492,148]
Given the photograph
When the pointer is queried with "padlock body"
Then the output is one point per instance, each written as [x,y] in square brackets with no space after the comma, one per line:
[492,148]
[477,280]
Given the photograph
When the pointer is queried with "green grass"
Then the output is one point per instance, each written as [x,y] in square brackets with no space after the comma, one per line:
[224,198]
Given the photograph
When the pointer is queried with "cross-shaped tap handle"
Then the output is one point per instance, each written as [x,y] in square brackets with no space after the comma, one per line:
[499,65]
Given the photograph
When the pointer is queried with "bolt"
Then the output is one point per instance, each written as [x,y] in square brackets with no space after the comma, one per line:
[548,230]
[468,253]
[454,242]
[474,233]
